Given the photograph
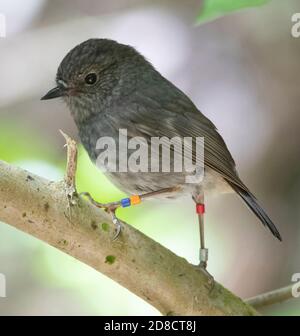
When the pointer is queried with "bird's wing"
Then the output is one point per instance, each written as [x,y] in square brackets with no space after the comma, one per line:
[163,110]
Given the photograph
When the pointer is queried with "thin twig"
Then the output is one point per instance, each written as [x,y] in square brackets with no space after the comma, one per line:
[272,297]
[71,161]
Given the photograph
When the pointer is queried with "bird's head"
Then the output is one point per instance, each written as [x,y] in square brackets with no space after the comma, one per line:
[93,71]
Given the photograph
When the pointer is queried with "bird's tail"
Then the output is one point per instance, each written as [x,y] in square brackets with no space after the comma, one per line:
[252,203]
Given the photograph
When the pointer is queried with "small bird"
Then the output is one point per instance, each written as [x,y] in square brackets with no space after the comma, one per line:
[110,86]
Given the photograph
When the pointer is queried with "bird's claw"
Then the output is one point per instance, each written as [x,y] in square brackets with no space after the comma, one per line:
[118,226]
[109,208]
[211,280]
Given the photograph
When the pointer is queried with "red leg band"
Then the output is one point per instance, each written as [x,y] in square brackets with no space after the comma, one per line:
[200,208]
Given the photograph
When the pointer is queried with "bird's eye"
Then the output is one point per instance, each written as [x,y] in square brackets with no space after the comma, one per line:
[91,78]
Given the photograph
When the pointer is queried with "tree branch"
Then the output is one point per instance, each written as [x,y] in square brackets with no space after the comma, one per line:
[43,209]
[272,297]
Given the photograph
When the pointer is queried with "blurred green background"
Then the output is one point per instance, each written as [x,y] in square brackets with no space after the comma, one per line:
[241,70]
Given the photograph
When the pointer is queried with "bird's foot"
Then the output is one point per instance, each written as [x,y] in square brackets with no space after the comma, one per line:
[117,223]
[203,267]
[109,208]
[211,280]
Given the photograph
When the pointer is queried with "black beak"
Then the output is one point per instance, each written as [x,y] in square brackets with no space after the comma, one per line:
[58,91]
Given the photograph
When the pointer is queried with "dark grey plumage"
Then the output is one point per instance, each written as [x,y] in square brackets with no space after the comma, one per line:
[131,94]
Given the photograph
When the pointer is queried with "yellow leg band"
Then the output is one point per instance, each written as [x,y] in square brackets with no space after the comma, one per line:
[135,199]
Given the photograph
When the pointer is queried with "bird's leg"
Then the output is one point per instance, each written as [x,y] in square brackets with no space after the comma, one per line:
[160,192]
[108,207]
[203,252]
[125,202]
[203,255]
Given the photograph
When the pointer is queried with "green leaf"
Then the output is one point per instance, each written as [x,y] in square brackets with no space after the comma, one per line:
[212,9]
